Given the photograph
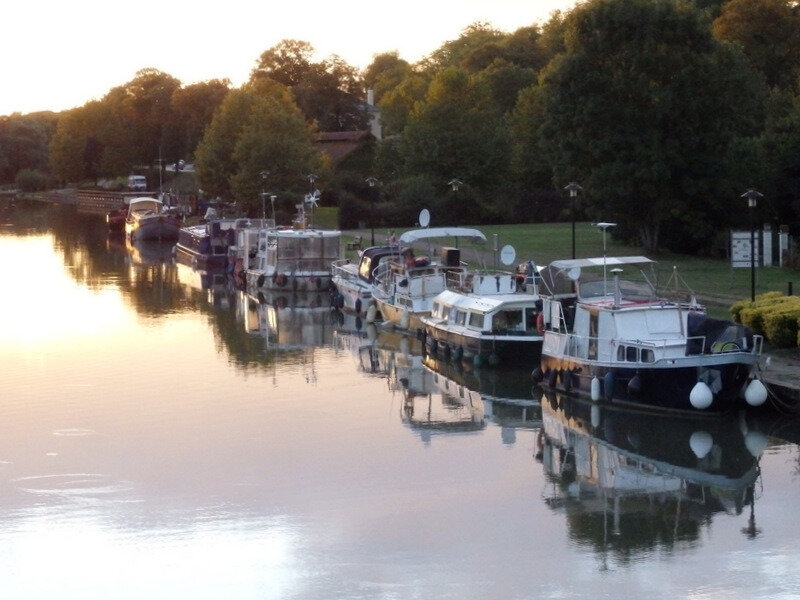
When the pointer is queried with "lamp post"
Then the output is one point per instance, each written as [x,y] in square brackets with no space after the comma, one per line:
[263,175]
[604,226]
[752,201]
[573,188]
[311,179]
[372,183]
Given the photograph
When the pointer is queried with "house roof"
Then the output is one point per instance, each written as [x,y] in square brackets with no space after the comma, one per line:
[338,144]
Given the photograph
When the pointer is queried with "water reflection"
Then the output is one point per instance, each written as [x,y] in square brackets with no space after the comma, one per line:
[629,482]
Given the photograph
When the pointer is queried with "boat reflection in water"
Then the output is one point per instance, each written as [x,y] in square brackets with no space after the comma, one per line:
[631,481]
[288,321]
[500,395]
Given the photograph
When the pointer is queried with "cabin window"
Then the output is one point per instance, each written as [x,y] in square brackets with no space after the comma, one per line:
[365,268]
[631,354]
[648,355]
[530,320]
[620,353]
[437,310]
[508,320]
[461,317]
[476,320]
[445,312]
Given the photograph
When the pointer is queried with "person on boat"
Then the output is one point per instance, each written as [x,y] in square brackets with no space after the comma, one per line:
[409,258]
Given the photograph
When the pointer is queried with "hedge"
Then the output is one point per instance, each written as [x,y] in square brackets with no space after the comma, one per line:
[773,315]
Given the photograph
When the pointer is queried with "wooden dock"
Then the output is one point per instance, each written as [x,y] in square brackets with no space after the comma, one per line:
[102,202]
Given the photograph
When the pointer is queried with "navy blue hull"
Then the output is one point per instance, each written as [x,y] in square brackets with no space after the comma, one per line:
[662,389]
[497,350]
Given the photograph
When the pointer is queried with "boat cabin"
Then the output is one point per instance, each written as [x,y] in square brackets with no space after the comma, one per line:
[372,258]
[286,250]
[500,315]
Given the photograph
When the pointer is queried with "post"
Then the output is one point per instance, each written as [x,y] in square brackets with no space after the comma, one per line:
[573,188]
[372,183]
[752,200]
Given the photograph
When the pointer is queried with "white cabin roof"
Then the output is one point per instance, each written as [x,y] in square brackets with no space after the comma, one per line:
[482,303]
[415,235]
[608,261]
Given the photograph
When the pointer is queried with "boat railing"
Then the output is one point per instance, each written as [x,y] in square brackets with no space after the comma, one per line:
[646,351]
[480,282]
[338,270]
[284,265]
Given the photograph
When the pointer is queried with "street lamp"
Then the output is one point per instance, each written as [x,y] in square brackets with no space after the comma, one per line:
[573,188]
[264,175]
[604,226]
[752,200]
[372,183]
[311,179]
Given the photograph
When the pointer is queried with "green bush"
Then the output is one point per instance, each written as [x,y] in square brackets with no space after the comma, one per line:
[772,315]
[31,180]
[781,324]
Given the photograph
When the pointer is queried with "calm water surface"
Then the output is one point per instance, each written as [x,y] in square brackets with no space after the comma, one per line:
[164,436]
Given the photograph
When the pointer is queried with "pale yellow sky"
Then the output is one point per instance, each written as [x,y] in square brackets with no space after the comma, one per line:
[56,55]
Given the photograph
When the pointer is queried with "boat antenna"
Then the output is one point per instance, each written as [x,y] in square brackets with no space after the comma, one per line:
[604,226]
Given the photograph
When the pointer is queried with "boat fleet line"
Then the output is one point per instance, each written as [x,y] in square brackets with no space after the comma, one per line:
[594,327]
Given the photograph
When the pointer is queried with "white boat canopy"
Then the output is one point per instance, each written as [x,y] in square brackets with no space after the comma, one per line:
[608,261]
[416,235]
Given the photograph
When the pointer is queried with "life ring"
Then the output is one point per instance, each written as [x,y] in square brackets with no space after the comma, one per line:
[540,323]
[280,279]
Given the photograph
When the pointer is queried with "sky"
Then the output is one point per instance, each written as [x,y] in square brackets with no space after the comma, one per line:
[56,54]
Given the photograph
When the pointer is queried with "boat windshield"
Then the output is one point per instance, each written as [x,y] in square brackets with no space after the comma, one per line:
[629,290]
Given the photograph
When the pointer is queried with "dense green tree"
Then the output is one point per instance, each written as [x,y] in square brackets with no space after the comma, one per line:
[397,104]
[144,104]
[648,112]
[329,92]
[780,146]
[385,72]
[458,132]
[193,107]
[258,128]
[457,52]
[287,62]
[23,143]
[769,33]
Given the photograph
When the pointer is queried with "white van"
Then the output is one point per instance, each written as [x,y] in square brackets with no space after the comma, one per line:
[137,182]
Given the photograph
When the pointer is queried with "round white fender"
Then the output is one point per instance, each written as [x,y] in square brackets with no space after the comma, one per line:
[595,388]
[701,396]
[755,442]
[756,393]
[701,443]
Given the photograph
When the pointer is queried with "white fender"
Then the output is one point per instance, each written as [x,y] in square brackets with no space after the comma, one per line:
[701,443]
[701,396]
[755,442]
[756,393]
[595,388]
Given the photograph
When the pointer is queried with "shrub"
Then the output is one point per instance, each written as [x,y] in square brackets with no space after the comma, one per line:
[31,180]
[781,324]
[779,330]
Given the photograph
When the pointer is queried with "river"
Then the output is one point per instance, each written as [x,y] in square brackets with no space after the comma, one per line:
[165,436]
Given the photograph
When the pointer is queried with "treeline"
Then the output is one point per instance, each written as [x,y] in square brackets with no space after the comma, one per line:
[664,111]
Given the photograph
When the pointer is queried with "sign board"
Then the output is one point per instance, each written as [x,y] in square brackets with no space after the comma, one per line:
[740,249]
